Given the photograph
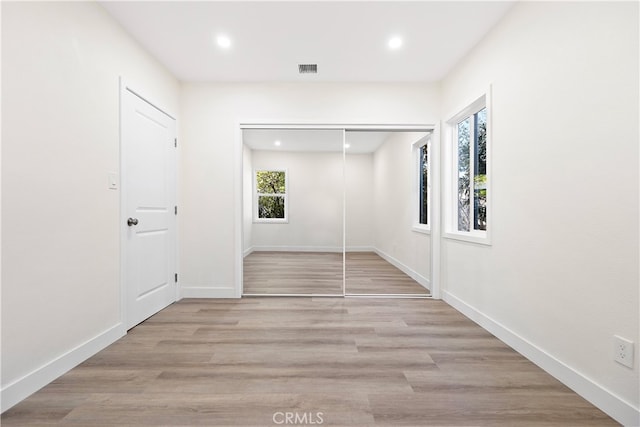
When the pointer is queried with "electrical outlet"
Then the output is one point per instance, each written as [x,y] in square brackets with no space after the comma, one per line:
[623,351]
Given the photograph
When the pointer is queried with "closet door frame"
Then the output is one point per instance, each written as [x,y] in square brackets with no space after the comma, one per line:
[344,127]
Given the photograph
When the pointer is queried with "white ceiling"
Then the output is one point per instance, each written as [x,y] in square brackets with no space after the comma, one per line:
[359,142]
[348,40]
[314,140]
[293,139]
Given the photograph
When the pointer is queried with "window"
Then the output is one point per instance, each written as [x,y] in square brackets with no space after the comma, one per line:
[422,189]
[469,186]
[270,196]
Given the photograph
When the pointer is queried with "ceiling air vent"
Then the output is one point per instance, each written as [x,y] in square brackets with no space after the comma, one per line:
[308,68]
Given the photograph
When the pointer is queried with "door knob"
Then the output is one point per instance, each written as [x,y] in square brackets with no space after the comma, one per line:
[132,221]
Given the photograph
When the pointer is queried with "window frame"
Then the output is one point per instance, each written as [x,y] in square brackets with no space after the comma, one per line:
[256,196]
[451,174]
[416,147]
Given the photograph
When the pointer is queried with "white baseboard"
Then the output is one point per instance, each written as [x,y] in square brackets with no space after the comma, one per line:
[612,405]
[23,387]
[360,249]
[425,282]
[208,292]
[297,248]
[306,249]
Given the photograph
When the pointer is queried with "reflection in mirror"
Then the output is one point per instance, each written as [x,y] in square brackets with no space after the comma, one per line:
[293,212]
[388,245]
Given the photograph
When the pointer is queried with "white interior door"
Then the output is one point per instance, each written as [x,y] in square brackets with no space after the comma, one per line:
[149,221]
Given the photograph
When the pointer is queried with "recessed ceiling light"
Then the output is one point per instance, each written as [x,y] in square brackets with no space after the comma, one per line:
[277,143]
[223,41]
[395,42]
[347,145]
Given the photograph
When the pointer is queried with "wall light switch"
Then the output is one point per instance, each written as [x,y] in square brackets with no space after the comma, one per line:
[113,180]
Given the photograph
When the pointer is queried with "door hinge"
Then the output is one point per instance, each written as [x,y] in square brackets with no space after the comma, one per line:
[175,142]
[176,278]
[176,210]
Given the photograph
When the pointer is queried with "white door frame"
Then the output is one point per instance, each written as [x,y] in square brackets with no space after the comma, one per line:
[126,86]
[435,188]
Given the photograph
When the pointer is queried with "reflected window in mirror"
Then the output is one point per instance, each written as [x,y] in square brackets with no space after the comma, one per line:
[423,185]
[423,173]
[270,197]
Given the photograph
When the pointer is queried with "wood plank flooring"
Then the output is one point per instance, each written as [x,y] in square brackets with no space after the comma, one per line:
[321,273]
[293,273]
[360,362]
[368,273]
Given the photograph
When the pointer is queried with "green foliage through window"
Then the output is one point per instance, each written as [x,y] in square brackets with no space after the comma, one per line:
[480,171]
[424,184]
[271,191]
[464,169]
[472,141]
[270,182]
[271,207]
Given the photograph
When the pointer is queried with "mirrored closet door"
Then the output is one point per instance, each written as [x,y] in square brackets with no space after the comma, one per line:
[293,208]
[333,212]
[388,245]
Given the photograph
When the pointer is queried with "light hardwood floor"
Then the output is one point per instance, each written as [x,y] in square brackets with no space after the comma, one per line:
[361,362]
[368,273]
[292,273]
[321,273]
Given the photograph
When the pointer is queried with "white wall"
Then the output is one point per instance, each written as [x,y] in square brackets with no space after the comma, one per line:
[247,199]
[315,199]
[211,156]
[359,202]
[561,277]
[395,206]
[60,137]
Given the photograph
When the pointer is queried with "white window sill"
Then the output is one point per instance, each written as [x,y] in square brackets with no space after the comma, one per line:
[271,221]
[468,237]
[421,228]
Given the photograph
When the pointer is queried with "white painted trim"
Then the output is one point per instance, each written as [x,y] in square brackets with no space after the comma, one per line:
[467,237]
[449,208]
[332,249]
[344,212]
[436,211]
[425,282]
[273,220]
[23,387]
[620,410]
[122,208]
[141,92]
[421,228]
[293,295]
[360,249]
[389,296]
[208,292]
[260,124]
[478,103]
[239,216]
[307,249]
